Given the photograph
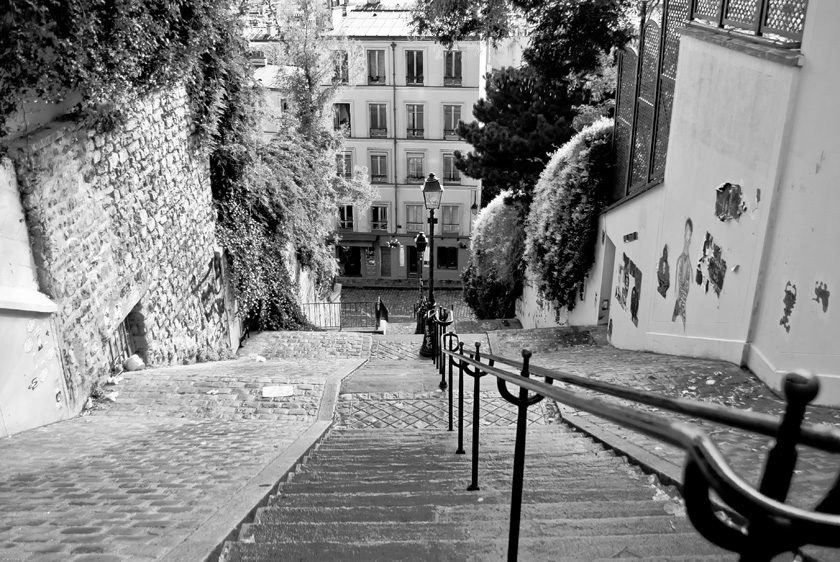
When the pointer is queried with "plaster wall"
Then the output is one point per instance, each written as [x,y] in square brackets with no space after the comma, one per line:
[797,321]
[32,388]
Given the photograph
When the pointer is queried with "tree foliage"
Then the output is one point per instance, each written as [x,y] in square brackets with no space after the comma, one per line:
[563,222]
[523,119]
[495,273]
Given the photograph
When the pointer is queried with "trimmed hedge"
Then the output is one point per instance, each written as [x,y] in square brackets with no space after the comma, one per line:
[494,275]
[562,226]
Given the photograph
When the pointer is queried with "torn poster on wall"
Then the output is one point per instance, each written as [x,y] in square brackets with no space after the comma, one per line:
[682,276]
[626,269]
[729,203]
[790,302]
[822,292]
[663,273]
[711,267]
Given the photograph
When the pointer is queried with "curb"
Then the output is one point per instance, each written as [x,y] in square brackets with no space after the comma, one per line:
[206,543]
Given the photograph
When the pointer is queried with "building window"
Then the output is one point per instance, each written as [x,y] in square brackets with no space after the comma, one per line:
[345,217]
[414,68]
[344,164]
[414,121]
[451,174]
[341,116]
[378,120]
[378,168]
[414,168]
[452,68]
[451,219]
[451,117]
[341,67]
[379,217]
[414,218]
[447,257]
[376,67]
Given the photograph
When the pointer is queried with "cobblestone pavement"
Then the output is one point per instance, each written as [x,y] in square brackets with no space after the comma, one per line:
[711,381]
[428,410]
[406,347]
[306,345]
[158,469]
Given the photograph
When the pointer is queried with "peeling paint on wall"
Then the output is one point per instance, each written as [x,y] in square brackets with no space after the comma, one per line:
[790,302]
[729,203]
[711,267]
[682,276]
[663,273]
[822,292]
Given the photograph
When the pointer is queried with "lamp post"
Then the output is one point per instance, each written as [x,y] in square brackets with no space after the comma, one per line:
[420,244]
[432,194]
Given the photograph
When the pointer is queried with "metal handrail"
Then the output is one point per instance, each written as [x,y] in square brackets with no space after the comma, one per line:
[773,527]
[819,436]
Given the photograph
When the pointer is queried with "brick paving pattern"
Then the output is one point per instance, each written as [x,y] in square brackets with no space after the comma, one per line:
[707,380]
[306,345]
[428,410]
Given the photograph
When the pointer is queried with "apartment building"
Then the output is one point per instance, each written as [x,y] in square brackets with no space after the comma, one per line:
[400,117]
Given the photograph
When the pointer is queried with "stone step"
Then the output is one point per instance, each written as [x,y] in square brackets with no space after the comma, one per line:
[458,513]
[675,547]
[318,496]
[412,474]
[287,532]
[572,462]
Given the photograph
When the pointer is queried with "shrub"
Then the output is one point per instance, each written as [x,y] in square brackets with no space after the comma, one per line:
[563,221]
[495,272]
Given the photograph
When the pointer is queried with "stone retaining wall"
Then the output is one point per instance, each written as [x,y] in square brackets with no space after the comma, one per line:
[122,225]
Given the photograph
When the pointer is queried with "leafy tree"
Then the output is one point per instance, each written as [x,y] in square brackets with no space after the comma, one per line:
[521,122]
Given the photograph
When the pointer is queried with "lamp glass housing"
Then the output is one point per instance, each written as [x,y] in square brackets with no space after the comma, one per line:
[432,192]
[421,242]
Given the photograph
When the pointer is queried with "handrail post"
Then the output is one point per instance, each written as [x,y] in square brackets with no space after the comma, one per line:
[799,388]
[476,411]
[460,450]
[518,463]
[449,363]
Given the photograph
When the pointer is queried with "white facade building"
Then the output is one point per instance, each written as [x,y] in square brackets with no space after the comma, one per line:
[401,113]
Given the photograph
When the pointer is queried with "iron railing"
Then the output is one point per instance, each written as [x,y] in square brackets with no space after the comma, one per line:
[342,315]
[772,526]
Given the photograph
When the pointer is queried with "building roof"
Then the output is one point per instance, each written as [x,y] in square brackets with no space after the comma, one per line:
[377,21]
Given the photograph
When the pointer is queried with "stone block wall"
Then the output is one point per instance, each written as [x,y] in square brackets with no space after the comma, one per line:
[122,225]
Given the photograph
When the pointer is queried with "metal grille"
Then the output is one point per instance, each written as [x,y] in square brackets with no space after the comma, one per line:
[340,315]
[663,125]
[120,347]
[786,17]
[741,13]
[707,9]
[643,113]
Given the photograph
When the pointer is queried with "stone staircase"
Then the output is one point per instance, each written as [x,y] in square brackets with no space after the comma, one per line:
[400,494]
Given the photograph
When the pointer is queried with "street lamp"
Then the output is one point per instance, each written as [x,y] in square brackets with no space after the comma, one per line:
[420,244]
[432,193]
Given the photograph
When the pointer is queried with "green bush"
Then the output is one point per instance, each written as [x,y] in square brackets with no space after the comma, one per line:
[494,275]
[563,222]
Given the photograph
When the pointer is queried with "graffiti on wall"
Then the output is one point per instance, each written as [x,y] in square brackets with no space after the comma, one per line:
[822,293]
[729,202]
[663,273]
[711,267]
[790,302]
[682,277]
[626,270]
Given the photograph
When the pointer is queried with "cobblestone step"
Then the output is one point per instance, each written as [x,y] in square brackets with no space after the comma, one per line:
[677,547]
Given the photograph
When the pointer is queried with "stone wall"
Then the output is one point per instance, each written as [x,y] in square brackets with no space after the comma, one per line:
[122,225]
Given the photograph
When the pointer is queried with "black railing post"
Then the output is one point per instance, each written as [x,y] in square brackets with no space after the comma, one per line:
[476,411]
[800,388]
[460,450]
[518,463]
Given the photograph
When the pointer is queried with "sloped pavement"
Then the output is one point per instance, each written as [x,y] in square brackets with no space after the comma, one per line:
[181,457]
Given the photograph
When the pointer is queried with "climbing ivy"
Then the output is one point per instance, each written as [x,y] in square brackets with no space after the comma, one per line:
[563,223]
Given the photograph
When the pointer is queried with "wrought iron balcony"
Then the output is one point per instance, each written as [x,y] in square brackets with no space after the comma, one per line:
[379,132]
[414,133]
[451,81]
